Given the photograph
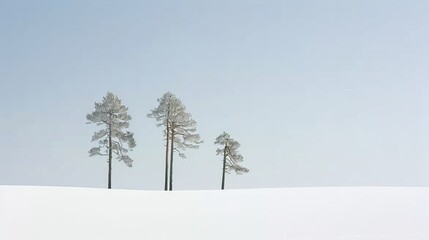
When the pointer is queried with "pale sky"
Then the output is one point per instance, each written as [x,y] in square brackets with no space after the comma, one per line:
[318,93]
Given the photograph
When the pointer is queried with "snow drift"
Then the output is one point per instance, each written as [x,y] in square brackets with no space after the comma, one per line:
[367,213]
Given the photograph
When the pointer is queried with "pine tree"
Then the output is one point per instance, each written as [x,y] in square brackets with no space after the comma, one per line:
[179,131]
[231,156]
[113,116]
[162,115]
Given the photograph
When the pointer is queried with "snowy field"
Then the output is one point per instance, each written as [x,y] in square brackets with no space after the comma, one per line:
[364,213]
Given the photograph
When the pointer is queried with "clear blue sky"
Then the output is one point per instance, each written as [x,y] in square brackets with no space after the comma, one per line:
[319,93]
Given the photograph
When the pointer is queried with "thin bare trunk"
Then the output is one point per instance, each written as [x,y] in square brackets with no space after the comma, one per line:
[166,161]
[171,158]
[224,167]
[109,184]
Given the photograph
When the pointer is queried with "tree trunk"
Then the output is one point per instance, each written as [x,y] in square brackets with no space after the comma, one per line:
[109,184]
[224,167]
[166,161]
[171,158]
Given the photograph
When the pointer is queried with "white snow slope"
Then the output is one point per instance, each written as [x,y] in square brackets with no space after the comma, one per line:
[367,213]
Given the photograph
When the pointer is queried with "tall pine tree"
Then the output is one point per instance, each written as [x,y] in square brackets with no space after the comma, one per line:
[180,131]
[111,139]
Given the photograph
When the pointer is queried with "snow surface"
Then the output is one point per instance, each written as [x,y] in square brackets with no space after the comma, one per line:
[367,213]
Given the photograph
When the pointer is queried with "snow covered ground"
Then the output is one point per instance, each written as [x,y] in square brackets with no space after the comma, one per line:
[367,213]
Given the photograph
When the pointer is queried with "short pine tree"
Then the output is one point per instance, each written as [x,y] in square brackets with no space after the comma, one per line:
[231,156]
